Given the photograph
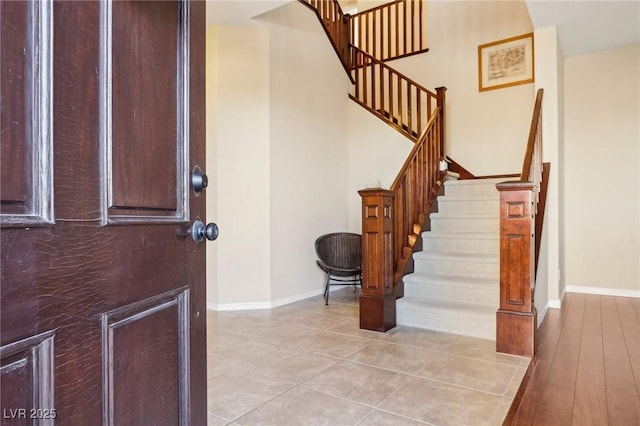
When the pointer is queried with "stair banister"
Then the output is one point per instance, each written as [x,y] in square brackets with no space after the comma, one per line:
[392,30]
[390,95]
[392,221]
[522,204]
[336,25]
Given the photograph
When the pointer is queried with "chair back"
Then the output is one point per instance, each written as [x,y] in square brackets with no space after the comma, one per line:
[340,249]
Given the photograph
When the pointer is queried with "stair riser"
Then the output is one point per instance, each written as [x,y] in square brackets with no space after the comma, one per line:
[470,190]
[481,326]
[460,245]
[469,207]
[471,294]
[491,226]
[469,269]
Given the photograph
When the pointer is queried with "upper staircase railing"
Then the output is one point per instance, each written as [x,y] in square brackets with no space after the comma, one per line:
[522,206]
[392,30]
[390,95]
[337,26]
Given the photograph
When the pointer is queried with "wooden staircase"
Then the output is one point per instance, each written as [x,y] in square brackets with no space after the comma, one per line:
[393,220]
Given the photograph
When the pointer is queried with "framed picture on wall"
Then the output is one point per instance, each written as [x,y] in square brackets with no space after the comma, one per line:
[505,63]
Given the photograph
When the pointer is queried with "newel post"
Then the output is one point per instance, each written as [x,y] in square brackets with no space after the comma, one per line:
[377,301]
[516,320]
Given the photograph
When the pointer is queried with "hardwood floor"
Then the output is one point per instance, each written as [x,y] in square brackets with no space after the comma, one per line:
[587,367]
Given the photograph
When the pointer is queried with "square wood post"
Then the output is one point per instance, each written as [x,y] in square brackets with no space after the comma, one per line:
[516,320]
[377,301]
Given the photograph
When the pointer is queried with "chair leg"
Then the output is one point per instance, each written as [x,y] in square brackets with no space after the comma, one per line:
[326,290]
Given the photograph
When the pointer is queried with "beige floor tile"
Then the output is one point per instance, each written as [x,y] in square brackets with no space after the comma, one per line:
[380,418]
[357,382]
[305,407]
[215,421]
[469,372]
[405,359]
[441,404]
[500,412]
[352,328]
[351,310]
[332,344]
[481,349]
[291,365]
[317,320]
[518,375]
[426,339]
[237,355]
[235,393]
[229,322]
[280,334]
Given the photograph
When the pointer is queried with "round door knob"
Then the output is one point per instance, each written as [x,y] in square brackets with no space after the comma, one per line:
[199,180]
[200,231]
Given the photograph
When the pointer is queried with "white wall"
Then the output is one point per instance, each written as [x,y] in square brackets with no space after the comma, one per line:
[277,147]
[602,172]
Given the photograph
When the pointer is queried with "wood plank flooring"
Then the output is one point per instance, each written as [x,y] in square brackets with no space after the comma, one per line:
[587,367]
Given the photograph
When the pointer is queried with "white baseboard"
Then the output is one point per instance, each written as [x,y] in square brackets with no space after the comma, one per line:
[543,314]
[264,305]
[603,291]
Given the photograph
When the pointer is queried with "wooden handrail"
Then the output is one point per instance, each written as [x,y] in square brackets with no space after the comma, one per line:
[391,96]
[336,25]
[415,189]
[532,165]
[534,170]
[392,30]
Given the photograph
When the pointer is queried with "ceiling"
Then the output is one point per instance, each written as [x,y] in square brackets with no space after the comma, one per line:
[583,25]
[587,26]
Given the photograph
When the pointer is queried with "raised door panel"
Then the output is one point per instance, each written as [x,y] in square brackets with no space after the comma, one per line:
[146,180]
[25,186]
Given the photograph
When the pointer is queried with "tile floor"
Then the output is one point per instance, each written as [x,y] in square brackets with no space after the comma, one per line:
[310,364]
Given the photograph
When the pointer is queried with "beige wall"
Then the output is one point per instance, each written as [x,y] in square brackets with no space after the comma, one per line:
[308,149]
[376,154]
[549,76]
[602,172]
[238,164]
[276,155]
[486,131]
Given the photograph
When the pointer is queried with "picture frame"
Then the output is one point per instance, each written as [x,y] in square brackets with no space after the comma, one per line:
[506,63]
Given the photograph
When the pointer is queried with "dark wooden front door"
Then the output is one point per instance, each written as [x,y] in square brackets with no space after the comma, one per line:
[103,289]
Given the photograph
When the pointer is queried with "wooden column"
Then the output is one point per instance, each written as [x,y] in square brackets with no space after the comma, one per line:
[516,320]
[377,301]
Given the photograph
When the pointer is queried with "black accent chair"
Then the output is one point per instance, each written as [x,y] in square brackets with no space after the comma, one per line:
[340,257]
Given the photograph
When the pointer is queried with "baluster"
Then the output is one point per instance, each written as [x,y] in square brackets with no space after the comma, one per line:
[397,27]
[409,111]
[390,94]
[382,92]
[400,101]
[419,111]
